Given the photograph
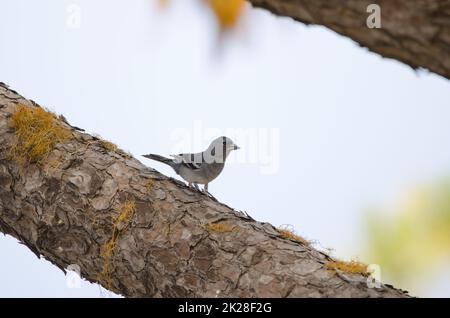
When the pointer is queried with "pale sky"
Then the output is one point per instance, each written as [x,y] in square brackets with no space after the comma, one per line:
[347,128]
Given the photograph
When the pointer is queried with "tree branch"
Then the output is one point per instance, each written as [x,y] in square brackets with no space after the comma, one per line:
[142,234]
[414,32]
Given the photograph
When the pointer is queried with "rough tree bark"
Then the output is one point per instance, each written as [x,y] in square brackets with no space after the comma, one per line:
[414,32]
[178,242]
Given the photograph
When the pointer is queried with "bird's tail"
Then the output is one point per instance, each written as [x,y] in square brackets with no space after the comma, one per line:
[162,159]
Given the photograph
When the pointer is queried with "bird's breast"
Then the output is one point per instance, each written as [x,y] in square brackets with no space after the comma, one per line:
[213,170]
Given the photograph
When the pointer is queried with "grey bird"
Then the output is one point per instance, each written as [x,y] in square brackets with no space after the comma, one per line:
[201,167]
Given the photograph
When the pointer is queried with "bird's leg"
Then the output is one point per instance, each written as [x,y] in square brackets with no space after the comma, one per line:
[205,191]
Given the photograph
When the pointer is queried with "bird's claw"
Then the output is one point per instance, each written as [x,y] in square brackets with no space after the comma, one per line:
[204,191]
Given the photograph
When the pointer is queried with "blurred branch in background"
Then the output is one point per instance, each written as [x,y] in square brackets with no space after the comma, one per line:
[412,243]
[416,33]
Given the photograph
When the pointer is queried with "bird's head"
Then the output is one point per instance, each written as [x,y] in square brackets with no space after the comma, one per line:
[221,147]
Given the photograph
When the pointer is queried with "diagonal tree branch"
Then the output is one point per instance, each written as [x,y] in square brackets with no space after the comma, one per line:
[414,32]
[142,234]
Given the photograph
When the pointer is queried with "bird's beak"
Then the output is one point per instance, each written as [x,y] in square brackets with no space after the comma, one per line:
[236,147]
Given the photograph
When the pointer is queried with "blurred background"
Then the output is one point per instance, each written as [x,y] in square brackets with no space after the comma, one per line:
[357,146]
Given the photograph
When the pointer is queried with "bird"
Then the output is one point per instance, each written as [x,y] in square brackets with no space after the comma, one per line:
[202,167]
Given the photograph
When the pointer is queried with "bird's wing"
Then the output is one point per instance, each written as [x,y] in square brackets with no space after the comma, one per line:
[192,161]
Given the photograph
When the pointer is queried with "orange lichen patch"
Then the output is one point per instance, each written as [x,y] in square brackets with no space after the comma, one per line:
[227,11]
[218,227]
[351,267]
[107,251]
[37,132]
[290,234]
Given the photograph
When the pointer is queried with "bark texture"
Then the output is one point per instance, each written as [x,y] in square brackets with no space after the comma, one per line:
[414,32]
[178,242]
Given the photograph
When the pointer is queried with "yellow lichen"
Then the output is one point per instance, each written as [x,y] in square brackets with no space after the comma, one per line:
[351,267]
[227,11]
[218,228]
[121,223]
[126,212]
[108,145]
[149,184]
[37,132]
[289,234]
